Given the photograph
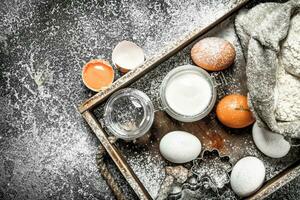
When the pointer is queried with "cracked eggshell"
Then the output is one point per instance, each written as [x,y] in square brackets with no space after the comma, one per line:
[269,143]
[247,176]
[127,56]
[180,147]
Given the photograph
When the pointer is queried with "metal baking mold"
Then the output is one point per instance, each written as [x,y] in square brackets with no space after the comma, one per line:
[209,172]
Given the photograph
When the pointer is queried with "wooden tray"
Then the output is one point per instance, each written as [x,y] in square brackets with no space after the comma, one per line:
[234,143]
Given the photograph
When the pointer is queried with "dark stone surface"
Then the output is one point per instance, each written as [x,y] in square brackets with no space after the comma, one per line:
[46,149]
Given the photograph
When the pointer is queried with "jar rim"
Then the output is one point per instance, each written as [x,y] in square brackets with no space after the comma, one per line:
[172,112]
[148,117]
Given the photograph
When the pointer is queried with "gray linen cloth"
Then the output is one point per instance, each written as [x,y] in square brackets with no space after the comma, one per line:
[269,35]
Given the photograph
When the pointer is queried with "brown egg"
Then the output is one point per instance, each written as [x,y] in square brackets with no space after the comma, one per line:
[233,111]
[213,54]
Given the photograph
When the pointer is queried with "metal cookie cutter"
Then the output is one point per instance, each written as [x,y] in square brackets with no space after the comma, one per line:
[208,174]
[214,167]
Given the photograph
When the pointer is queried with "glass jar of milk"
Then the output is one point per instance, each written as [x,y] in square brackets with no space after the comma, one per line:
[188,93]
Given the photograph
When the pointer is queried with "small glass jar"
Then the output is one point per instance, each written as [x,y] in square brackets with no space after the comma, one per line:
[171,76]
[129,114]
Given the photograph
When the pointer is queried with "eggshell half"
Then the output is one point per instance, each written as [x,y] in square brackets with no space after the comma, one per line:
[247,176]
[180,147]
[271,144]
[127,56]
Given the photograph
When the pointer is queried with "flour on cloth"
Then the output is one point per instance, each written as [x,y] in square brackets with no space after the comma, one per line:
[270,37]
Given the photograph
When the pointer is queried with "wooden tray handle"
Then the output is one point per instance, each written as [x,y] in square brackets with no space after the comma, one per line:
[104,171]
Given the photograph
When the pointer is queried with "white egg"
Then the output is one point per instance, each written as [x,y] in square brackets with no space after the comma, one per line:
[271,144]
[247,176]
[127,56]
[180,147]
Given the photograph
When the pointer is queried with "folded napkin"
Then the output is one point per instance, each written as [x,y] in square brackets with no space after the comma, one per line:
[269,35]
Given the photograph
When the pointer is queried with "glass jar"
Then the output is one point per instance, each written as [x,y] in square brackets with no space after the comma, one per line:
[189,89]
[128,114]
